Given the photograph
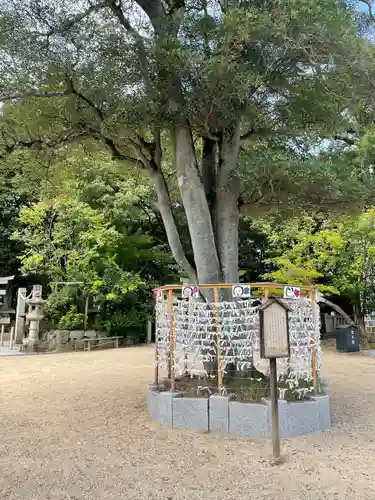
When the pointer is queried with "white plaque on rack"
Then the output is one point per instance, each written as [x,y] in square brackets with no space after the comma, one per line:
[190,291]
[241,291]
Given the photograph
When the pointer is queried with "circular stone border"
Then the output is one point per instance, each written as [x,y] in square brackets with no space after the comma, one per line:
[221,414]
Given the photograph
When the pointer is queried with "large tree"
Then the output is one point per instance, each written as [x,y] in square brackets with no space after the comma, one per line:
[238,90]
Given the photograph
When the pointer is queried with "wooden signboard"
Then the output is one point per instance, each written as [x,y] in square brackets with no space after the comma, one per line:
[274,329]
[4,320]
[274,343]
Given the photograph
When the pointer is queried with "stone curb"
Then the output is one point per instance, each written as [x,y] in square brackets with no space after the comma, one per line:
[220,414]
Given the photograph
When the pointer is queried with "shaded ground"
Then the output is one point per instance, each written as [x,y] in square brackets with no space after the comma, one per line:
[74,426]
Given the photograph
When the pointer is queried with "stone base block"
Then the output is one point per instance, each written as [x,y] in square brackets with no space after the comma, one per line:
[165,410]
[219,413]
[153,402]
[190,413]
[248,419]
[324,411]
[298,418]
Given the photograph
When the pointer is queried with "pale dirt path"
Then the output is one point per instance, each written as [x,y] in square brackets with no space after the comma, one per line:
[74,426]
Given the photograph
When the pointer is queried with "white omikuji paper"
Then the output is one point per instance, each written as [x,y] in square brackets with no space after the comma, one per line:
[195,334]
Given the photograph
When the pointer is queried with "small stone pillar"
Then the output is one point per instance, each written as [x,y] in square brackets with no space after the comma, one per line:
[149,332]
[34,316]
[20,315]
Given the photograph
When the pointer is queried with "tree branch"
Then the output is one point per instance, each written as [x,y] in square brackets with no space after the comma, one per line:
[369,5]
[155,12]
[260,132]
[116,154]
[91,104]
[69,23]
[138,40]
[39,144]
[14,97]
[346,139]
[336,308]
[165,207]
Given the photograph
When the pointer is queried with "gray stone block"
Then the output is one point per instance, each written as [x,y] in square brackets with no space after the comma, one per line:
[76,334]
[248,419]
[92,334]
[283,422]
[298,418]
[61,336]
[153,403]
[165,400]
[219,413]
[324,411]
[190,413]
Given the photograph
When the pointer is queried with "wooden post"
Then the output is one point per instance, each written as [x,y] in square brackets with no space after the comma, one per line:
[2,335]
[266,292]
[156,378]
[275,409]
[218,341]
[312,296]
[117,342]
[171,369]
[86,317]
[11,338]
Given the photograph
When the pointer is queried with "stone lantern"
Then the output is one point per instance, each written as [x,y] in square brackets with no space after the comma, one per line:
[34,316]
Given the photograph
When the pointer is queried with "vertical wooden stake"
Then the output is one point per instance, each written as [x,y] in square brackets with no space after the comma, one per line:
[156,378]
[313,368]
[218,341]
[11,338]
[171,369]
[274,409]
[312,296]
[86,317]
[266,292]
[2,335]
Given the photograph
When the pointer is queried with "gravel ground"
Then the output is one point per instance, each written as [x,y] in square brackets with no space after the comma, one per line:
[75,426]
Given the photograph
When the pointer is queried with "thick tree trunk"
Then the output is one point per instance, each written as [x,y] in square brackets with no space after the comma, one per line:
[227,219]
[196,207]
[164,206]
[226,205]
[360,322]
[209,170]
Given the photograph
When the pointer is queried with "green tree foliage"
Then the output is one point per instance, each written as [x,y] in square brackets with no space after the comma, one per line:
[336,253]
[14,193]
[74,243]
[238,93]
[9,250]
[91,225]
[302,249]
